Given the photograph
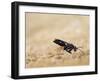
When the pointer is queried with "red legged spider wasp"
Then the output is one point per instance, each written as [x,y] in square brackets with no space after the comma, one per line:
[67,46]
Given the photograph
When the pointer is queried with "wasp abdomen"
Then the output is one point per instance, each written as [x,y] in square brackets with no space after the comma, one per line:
[59,42]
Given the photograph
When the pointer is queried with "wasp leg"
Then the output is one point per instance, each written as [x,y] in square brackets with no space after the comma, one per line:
[67,49]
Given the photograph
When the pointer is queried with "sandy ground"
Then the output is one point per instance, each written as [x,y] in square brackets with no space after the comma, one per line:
[43,29]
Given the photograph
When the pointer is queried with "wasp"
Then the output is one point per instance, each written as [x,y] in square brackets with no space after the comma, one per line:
[69,47]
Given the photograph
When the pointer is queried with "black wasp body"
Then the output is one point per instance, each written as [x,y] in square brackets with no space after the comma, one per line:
[67,46]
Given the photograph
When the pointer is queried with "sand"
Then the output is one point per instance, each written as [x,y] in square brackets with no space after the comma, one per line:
[43,29]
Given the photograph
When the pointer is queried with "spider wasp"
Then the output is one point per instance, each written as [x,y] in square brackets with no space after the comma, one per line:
[67,46]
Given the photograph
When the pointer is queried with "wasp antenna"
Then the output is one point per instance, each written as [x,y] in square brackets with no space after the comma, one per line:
[79,47]
[82,52]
